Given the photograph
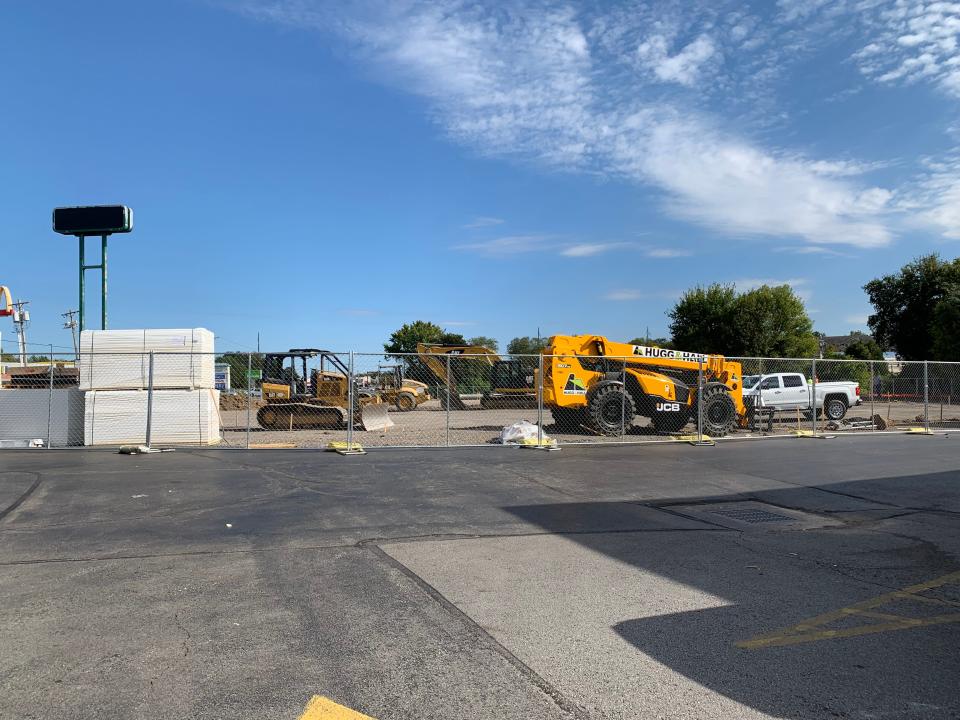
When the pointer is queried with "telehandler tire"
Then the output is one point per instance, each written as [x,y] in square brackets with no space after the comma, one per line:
[611,409]
[719,411]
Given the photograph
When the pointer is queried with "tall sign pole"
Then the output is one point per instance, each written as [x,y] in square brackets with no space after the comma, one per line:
[102,220]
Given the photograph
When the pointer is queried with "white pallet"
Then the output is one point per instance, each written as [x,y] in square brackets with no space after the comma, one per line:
[180,417]
[119,359]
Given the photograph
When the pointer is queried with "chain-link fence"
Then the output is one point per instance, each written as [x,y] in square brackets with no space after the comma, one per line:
[310,399]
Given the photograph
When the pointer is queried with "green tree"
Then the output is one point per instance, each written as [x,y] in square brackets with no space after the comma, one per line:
[772,322]
[864,348]
[406,338]
[945,327]
[763,322]
[702,320]
[906,306]
[238,367]
[526,345]
[484,341]
[653,342]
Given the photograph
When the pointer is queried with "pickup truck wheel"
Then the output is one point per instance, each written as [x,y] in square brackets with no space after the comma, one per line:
[835,408]
[719,411]
[611,409]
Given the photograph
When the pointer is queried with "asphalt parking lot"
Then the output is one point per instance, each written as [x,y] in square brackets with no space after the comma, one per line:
[788,578]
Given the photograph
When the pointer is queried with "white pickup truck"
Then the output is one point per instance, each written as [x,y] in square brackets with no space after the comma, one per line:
[792,391]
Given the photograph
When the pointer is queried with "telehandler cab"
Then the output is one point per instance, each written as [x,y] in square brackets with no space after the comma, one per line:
[591,381]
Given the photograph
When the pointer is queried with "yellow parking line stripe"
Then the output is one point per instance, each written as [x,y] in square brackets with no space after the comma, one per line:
[814,629]
[322,708]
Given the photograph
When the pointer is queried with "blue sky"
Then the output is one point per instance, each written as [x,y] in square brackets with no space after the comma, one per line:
[323,172]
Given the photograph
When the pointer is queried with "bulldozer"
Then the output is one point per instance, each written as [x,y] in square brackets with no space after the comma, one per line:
[602,385]
[302,398]
[401,392]
[511,382]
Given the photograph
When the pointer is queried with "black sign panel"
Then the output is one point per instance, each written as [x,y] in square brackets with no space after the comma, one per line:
[94,220]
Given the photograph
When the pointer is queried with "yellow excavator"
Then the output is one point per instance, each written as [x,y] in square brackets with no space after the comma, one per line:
[591,381]
[302,398]
[503,383]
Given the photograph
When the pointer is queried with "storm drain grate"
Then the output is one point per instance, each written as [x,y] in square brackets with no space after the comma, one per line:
[750,515]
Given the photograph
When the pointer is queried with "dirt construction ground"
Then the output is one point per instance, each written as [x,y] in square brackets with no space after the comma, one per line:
[427,426]
[790,578]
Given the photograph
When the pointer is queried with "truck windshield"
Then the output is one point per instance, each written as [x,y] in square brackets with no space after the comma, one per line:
[750,380]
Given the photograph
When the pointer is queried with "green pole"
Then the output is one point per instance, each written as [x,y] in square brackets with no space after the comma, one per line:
[103,282]
[82,270]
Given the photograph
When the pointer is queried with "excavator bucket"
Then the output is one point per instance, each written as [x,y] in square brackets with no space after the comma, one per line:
[374,416]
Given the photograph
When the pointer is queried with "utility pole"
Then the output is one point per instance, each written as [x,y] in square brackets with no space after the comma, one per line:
[71,325]
[20,319]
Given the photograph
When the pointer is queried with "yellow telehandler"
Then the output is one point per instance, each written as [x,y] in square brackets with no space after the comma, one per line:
[589,380]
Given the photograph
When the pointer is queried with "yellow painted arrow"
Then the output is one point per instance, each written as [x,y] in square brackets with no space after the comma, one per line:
[322,708]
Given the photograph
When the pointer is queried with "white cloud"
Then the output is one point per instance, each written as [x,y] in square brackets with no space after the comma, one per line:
[668,253]
[625,295]
[590,249]
[810,250]
[935,199]
[913,41]
[547,84]
[482,222]
[508,245]
[857,320]
[682,67]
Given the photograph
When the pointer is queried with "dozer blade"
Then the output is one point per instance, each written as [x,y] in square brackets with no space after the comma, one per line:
[374,416]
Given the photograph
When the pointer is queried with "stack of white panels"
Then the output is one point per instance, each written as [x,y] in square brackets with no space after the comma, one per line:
[120,359]
[180,417]
[32,414]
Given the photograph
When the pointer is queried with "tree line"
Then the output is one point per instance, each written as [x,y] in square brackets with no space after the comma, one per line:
[916,315]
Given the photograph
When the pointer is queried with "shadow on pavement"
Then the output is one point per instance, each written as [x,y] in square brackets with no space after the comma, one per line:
[774,579]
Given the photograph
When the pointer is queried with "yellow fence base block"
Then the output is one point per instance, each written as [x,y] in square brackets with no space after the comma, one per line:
[919,431]
[692,438]
[344,448]
[545,443]
[322,708]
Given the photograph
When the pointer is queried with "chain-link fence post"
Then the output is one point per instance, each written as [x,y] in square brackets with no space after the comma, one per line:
[540,401]
[50,402]
[926,396]
[448,402]
[623,399]
[699,404]
[873,396]
[813,397]
[350,401]
[149,399]
[249,395]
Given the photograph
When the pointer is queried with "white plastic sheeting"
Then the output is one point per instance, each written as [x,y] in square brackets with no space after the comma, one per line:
[119,359]
[180,417]
[24,416]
